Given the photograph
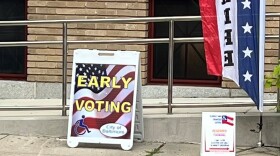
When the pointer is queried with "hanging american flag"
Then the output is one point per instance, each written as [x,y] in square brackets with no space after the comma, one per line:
[88,124]
[234,36]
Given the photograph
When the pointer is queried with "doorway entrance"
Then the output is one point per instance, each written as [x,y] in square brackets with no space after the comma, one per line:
[189,58]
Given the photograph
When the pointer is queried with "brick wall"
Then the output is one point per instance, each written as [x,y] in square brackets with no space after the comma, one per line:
[45,62]
[271,46]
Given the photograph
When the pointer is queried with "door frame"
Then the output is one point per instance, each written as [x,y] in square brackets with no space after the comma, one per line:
[152,80]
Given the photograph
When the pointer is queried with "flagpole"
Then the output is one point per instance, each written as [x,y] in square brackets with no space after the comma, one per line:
[261,67]
[260,143]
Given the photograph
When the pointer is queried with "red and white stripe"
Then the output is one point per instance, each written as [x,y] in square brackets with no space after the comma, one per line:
[213,25]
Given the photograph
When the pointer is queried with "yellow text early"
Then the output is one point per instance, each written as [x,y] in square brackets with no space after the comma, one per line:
[104,82]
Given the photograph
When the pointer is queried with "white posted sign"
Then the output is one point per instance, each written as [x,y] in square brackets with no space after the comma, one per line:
[218,134]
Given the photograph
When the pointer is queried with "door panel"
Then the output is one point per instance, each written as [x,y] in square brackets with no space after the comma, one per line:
[189,58]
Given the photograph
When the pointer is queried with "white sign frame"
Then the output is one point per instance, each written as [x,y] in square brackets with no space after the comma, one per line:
[104,57]
[218,134]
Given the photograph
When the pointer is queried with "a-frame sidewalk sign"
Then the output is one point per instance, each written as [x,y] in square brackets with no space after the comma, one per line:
[105,100]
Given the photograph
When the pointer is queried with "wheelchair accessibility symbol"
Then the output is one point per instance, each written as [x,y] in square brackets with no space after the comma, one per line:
[81,124]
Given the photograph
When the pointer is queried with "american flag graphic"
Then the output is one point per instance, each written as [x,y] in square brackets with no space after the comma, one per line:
[96,119]
[227,120]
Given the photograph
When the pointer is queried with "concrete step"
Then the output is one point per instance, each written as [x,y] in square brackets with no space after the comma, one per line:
[184,125]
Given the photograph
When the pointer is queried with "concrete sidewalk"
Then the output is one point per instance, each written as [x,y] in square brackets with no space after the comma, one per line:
[11,145]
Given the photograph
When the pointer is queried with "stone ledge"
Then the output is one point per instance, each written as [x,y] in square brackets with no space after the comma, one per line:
[39,90]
